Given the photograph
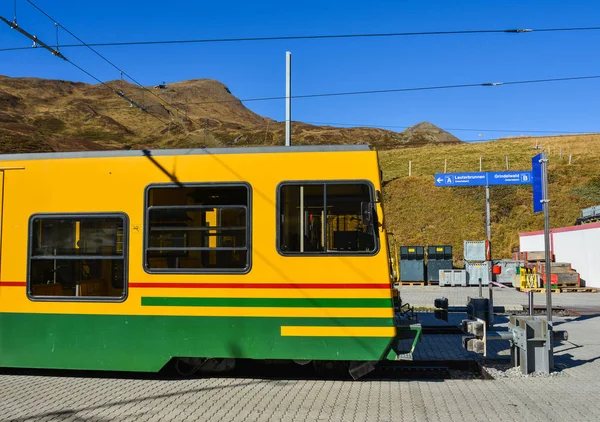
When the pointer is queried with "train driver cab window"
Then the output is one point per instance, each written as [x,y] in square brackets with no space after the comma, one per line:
[77,257]
[198,228]
[326,218]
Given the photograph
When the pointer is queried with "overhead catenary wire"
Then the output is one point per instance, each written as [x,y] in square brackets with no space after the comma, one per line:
[121,71]
[459,86]
[119,93]
[321,37]
[316,95]
[385,91]
[56,53]
[36,40]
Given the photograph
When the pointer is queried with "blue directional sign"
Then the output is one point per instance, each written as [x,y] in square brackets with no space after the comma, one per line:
[536,173]
[509,178]
[461,179]
[483,178]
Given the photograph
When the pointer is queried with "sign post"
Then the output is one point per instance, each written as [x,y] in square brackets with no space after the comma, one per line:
[488,222]
[541,201]
[538,177]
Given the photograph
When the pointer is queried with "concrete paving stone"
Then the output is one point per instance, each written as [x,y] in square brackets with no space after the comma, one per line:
[424,296]
[571,396]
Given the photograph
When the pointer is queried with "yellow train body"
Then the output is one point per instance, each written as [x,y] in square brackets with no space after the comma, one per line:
[288,306]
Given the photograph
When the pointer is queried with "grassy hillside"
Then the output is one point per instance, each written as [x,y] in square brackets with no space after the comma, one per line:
[421,214]
[53,115]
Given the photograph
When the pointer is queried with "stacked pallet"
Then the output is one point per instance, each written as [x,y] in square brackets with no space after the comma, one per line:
[563,278]
[561,271]
[535,256]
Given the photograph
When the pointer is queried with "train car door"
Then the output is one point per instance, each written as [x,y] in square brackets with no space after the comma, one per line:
[3,171]
[1,216]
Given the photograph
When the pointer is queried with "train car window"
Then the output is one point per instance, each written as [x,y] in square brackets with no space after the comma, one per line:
[77,257]
[309,222]
[316,218]
[198,228]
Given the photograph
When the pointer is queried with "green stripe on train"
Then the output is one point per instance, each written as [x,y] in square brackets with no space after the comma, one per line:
[146,343]
[239,302]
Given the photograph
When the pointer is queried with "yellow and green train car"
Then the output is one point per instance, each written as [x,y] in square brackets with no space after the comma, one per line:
[125,260]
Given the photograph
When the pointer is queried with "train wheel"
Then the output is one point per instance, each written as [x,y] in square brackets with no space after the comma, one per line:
[331,368]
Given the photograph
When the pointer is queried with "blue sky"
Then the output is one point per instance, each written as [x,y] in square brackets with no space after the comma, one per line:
[257,69]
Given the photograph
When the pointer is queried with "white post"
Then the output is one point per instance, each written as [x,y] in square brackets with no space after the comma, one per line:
[480,163]
[445,165]
[410,168]
[507,162]
[288,98]
[570,157]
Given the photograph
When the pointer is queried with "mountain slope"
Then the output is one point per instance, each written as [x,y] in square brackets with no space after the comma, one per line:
[425,133]
[47,115]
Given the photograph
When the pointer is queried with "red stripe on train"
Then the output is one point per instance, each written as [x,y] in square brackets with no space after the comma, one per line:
[259,286]
[234,285]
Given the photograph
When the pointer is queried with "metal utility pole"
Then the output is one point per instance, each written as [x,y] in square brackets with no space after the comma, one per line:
[546,206]
[488,224]
[288,98]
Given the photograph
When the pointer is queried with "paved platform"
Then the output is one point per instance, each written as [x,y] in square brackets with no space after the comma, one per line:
[423,296]
[571,395]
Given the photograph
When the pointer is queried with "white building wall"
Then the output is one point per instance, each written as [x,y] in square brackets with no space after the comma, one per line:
[578,245]
[582,249]
[531,243]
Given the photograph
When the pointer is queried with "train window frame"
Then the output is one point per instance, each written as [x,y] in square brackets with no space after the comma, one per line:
[183,271]
[76,299]
[327,253]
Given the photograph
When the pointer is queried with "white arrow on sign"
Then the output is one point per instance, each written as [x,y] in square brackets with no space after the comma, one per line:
[440,180]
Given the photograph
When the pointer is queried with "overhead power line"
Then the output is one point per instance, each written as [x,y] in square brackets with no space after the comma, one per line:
[386,91]
[320,37]
[98,54]
[36,40]
[56,53]
[381,91]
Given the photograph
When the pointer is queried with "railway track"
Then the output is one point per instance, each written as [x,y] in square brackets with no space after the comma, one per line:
[385,370]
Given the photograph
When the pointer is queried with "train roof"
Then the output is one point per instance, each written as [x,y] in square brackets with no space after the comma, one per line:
[183,151]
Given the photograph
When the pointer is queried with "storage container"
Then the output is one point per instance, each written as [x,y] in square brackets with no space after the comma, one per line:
[476,250]
[477,270]
[453,278]
[412,263]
